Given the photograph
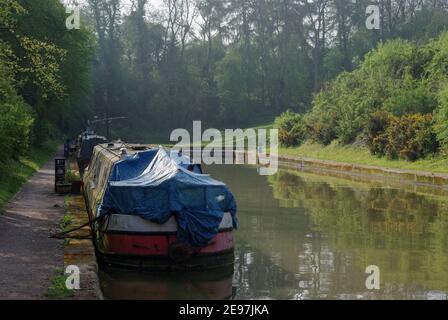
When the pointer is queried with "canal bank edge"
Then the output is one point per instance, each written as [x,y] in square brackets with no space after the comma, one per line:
[80,252]
[439,180]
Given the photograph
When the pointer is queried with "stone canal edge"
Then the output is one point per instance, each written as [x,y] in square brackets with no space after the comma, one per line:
[430,179]
[30,261]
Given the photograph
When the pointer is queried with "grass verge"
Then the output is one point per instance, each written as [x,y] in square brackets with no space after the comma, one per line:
[58,290]
[13,174]
[361,155]
[67,218]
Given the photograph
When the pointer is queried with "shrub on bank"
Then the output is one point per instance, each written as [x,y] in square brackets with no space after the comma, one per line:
[411,137]
[395,101]
[321,123]
[441,119]
[291,129]
[375,132]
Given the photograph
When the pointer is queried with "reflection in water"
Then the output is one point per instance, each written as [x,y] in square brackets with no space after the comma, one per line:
[212,285]
[307,236]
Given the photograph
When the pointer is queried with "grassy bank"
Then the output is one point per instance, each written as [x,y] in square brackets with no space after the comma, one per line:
[360,155]
[13,174]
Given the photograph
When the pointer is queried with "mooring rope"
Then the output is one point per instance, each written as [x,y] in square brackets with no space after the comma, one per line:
[63,235]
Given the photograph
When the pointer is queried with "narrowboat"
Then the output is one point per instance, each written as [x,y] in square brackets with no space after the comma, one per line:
[86,142]
[154,209]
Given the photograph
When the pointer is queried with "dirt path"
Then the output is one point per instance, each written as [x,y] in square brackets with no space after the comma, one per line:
[28,258]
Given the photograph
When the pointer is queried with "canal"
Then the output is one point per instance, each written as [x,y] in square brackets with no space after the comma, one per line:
[304,235]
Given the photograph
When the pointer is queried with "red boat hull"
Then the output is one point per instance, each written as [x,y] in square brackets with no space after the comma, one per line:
[131,242]
[158,245]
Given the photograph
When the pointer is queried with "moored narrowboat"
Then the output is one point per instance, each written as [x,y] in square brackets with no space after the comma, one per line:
[87,141]
[153,209]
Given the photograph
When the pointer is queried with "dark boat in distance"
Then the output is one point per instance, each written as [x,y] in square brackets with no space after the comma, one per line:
[153,209]
[86,142]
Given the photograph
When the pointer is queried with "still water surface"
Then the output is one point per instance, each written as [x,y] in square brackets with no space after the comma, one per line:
[309,236]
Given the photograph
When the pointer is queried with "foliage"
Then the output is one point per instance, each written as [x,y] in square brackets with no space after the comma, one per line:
[321,120]
[58,289]
[441,118]
[387,102]
[291,129]
[222,62]
[16,118]
[44,73]
[375,132]
[410,137]
[258,58]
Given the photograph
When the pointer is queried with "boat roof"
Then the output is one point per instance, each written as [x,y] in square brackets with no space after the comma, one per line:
[93,136]
[114,148]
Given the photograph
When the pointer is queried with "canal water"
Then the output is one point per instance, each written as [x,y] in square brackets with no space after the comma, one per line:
[307,235]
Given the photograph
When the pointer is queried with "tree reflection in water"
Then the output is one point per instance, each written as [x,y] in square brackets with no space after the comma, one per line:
[306,236]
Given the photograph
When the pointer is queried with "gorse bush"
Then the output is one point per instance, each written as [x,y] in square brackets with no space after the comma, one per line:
[390,78]
[375,132]
[410,137]
[322,130]
[291,129]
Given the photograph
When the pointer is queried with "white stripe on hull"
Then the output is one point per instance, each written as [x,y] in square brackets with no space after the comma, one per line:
[132,223]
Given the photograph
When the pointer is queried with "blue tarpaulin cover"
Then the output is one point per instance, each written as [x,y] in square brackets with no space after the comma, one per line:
[154,186]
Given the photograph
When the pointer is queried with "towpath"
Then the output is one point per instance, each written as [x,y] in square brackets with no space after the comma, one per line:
[28,258]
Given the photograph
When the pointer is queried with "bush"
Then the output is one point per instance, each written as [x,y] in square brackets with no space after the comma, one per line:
[413,96]
[437,69]
[411,137]
[321,121]
[375,132]
[393,77]
[323,132]
[291,129]
[441,119]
